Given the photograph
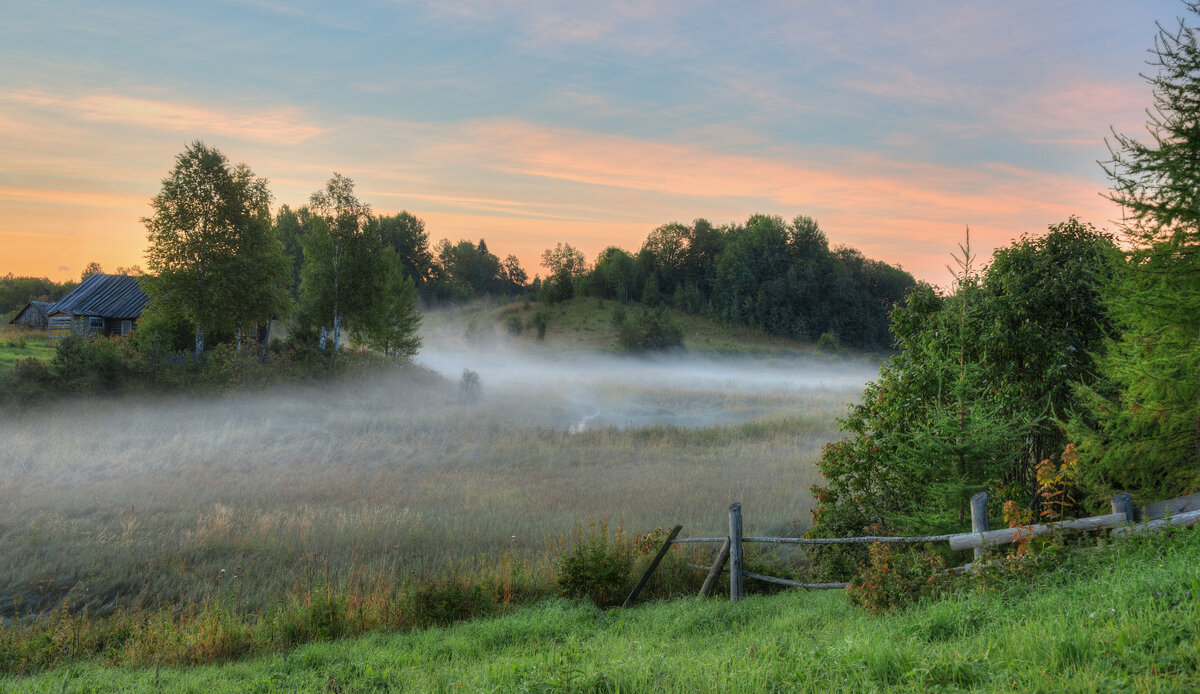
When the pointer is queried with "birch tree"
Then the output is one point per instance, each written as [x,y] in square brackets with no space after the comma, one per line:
[213,258]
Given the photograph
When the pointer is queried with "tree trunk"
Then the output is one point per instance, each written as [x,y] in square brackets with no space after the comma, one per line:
[322,343]
[199,342]
[337,331]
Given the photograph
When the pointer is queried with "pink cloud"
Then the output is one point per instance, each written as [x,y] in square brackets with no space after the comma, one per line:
[54,197]
[868,200]
[280,126]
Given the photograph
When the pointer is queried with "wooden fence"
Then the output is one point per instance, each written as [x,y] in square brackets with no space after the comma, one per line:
[1183,511]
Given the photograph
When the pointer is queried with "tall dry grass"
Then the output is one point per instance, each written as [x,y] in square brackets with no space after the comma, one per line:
[172,502]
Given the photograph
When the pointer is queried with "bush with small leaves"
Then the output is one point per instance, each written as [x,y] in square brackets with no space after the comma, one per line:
[470,387]
[596,566]
[513,325]
[893,578]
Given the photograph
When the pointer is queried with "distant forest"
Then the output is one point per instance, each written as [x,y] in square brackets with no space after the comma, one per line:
[16,291]
[779,276]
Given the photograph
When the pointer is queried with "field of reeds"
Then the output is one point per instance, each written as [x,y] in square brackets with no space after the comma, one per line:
[170,503]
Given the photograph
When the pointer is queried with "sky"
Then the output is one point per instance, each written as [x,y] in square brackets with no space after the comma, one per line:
[895,125]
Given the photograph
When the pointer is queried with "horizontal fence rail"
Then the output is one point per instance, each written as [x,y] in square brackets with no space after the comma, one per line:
[1009,535]
[1183,512]
[780,581]
[826,540]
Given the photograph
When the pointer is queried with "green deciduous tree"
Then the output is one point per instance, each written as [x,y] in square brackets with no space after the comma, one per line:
[405,234]
[341,261]
[290,227]
[1144,433]
[213,257]
[467,270]
[566,266]
[92,268]
[977,392]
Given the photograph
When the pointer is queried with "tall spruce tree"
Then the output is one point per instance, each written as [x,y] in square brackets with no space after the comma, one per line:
[1144,433]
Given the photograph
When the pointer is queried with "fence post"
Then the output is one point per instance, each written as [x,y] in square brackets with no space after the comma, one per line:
[662,552]
[714,572]
[1123,503]
[979,518]
[735,552]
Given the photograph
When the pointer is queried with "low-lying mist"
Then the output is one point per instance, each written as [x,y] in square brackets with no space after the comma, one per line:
[601,389]
[157,501]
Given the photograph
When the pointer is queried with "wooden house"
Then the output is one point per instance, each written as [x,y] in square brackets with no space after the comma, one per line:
[34,315]
[101,306]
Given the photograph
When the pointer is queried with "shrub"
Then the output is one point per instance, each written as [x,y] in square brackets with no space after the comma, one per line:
[649,330]
[31,370]
[470,387]
[513,325]
[596,566]
[828,343]
[891,579]
[441,602]
[618,316]
[101,365]
[541,319]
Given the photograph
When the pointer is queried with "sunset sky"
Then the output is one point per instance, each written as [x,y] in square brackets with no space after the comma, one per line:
[894,124]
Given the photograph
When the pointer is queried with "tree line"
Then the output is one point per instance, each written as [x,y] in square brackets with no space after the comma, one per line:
[220,267]
[1063,372]
[219,264]
[16,291]
[767,273]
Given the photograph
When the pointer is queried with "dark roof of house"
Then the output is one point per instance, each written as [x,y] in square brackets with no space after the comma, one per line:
[106,296]
[42,306]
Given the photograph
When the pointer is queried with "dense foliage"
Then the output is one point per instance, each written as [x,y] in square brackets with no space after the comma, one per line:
[15,292]
[649,330]
[146,364]
[1066,344]
[214,260]
[974,398]
[779,276]
[1142,431]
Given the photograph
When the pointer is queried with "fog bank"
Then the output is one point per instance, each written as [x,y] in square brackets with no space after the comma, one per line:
[594,389]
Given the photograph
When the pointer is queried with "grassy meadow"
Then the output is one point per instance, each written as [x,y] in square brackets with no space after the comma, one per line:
[17,344]
[251,498]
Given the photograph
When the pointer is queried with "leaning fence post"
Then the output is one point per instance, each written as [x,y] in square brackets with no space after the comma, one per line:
[662,552]
[979,518]
[735,552]
[714,572]
[1123,503]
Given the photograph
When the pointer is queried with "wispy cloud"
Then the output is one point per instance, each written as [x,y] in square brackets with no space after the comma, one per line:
[280,126]
[54,197]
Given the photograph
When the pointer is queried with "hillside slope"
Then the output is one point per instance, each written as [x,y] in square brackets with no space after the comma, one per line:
[1126,619]
[587,324]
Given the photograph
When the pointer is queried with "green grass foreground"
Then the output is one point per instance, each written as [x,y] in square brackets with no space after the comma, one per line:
[1122,620]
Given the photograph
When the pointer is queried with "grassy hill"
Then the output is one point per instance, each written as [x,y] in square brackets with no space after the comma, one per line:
[587,324]
[1122,620]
